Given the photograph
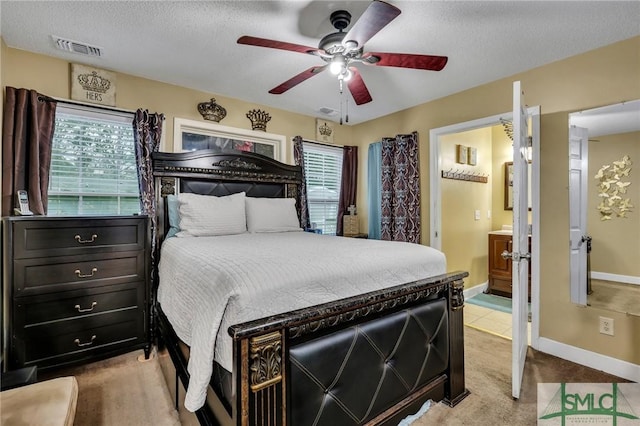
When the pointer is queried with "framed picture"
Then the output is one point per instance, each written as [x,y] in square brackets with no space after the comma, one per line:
[508,185]
[472,156]
[190,135]
[461,154]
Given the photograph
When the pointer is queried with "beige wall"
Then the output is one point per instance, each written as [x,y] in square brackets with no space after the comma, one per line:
[616,242]
[51,77]
[601,77]
[460,199]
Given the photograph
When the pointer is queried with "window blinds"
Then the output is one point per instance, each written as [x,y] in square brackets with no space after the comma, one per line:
[93,165]
[323,170]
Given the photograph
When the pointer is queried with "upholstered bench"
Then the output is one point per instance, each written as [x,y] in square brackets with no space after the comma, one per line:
[51,403]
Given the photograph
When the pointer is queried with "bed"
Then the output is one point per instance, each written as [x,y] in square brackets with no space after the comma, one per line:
[261,331]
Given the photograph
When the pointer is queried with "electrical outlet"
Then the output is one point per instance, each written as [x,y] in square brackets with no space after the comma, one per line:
[606,326]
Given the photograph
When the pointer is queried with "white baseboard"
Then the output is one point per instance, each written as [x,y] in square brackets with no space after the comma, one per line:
[627,279]
[477,289]
[594,360]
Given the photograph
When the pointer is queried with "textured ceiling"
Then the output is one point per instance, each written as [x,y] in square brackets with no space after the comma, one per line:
[193,44]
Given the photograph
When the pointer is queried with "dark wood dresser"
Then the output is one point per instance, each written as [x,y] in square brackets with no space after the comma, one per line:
[74,288]
[500,269]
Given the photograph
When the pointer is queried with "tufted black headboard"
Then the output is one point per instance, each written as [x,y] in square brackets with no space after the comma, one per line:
[210,172]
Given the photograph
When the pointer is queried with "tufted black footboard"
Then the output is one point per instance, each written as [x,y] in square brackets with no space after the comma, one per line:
[352,375]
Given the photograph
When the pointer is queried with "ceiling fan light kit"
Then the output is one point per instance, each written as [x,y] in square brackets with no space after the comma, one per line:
[342,50]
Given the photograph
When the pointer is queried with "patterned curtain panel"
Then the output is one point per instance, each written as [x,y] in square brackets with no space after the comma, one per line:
[348,185]
[147,130]
[27,134]
[374,185]
[400,189]
[298,157]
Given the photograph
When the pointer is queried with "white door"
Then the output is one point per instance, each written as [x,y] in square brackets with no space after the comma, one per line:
[520,255]
[578,169]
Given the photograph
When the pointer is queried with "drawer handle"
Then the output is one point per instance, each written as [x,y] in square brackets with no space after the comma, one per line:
[93,305]
[81,241]
[77,342]
[81,275]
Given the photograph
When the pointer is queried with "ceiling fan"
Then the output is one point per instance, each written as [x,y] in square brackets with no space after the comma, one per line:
[340,50]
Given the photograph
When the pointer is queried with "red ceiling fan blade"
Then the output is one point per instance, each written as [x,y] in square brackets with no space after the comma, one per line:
[275,44]
[292,82]
[357,87]
[375,18]
[405,60]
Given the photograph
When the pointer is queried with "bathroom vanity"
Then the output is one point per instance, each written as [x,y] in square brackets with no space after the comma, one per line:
[499,267]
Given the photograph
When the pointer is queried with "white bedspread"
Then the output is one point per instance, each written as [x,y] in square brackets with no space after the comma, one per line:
[250,276]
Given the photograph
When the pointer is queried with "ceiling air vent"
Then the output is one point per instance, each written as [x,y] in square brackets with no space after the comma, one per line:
[327,111]
[76,47]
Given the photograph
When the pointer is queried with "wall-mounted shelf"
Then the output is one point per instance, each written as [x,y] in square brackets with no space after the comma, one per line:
[470,177]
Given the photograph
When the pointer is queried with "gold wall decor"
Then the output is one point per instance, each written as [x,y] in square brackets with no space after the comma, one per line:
[212,111]
[259,119]
[612,189]
[324,130]
[93,85]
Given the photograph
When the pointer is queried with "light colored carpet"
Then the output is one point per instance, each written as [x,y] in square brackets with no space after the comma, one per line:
[488,378]
[615,296]
[122,391]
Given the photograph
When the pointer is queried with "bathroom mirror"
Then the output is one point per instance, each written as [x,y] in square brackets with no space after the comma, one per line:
[613,206]
[508,185]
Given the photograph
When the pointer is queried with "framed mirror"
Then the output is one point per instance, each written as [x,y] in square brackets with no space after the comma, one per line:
[508,185]
[191,135]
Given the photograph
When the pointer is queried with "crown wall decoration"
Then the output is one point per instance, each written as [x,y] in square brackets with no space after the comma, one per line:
[259,119]
[212,111]
[324,130]
[93,85]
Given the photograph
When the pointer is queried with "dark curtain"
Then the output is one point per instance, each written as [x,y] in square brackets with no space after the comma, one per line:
[298,157]
[348,185]
[400,189]
[27,134]
[147,130]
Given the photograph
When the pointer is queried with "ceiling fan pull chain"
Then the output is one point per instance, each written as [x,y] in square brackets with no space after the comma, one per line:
[346,105]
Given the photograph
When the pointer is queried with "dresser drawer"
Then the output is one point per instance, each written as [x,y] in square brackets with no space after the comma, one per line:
[77,304]
[45,344]
[37,276]
[40,238]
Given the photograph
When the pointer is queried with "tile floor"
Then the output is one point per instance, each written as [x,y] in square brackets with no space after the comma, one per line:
[490,321]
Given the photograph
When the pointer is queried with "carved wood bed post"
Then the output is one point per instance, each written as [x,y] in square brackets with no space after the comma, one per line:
[262,380]
[456,390]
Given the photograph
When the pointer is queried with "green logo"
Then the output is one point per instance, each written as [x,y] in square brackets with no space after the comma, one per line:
[587,401]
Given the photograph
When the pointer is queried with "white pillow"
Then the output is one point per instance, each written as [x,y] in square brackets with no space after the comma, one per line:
[272,215]
[206,215]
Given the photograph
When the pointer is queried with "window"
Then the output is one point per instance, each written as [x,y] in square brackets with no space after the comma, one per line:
[323,170]
[93,164]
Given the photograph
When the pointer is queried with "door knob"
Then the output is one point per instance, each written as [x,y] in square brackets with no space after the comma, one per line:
[515,256]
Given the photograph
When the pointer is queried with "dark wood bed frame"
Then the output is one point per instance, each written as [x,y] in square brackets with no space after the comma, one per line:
[261,357]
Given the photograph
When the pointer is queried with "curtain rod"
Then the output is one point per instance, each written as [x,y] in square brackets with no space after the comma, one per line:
[84,104]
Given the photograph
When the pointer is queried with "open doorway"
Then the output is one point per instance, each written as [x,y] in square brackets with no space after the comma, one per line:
[469,200]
